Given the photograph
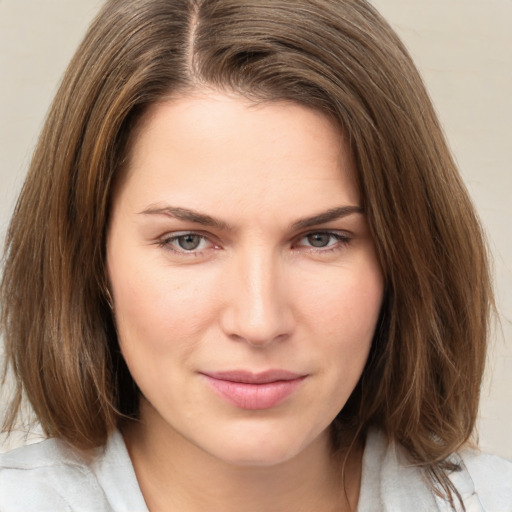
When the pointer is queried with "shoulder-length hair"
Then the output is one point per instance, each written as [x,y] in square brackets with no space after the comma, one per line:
[422,379]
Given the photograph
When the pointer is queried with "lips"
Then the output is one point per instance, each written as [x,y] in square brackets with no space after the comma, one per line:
[254,391]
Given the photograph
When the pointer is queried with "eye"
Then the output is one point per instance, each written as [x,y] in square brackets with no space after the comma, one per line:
[319,239]
[324,240]
[187,242]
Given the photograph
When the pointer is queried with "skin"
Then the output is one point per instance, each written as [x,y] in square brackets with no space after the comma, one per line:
[265,288]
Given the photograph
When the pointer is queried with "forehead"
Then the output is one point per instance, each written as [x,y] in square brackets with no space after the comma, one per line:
[208,147]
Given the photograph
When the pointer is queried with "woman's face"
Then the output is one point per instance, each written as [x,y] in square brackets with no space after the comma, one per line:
[245,282]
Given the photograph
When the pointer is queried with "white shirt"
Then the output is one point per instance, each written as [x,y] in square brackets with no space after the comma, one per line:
[51,477]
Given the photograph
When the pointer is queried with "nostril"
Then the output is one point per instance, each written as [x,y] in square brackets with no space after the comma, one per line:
[257,307]
[257,338]
[257,327]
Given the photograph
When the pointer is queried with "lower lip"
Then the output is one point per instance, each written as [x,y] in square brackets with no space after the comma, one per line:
[254,396]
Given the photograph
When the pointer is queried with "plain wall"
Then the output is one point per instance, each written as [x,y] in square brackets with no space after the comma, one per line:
[464,51]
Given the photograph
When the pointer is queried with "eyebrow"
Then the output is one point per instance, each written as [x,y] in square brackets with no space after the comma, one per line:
[188,215]
[196,217]
[328,216]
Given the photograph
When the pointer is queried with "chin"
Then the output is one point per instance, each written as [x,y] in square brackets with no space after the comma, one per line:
[255,456]
[265,449]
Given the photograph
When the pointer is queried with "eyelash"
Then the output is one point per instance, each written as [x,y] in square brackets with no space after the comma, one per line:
[342,239]
[166,243]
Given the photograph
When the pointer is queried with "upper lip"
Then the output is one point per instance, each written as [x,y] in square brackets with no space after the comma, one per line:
[249,377]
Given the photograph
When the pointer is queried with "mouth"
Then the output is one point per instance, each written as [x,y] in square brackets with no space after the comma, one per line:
[254,391]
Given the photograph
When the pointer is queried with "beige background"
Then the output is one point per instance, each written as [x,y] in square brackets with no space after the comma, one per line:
[464,51]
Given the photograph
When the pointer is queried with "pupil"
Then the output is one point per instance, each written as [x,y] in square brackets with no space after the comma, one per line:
[189,242]
[319,239]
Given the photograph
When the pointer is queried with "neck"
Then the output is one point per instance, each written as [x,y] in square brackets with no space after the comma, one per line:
[174,474]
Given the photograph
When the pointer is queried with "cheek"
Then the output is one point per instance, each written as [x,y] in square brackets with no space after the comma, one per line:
[159,321]
[342,318]
[347,305]
[157,308]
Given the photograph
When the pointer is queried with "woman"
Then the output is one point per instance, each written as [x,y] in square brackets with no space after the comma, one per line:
[244,274]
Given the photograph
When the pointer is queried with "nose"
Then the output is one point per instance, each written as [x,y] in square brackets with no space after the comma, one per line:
[257,305]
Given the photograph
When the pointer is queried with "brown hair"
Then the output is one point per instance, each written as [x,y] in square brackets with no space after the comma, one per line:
[421,382]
